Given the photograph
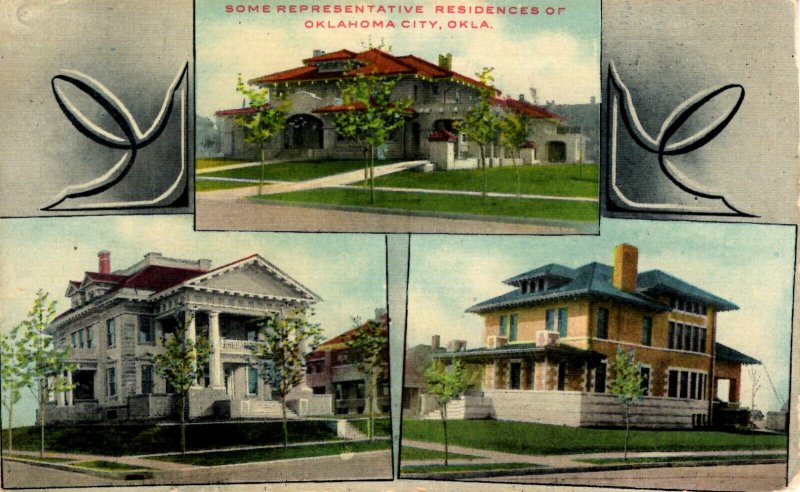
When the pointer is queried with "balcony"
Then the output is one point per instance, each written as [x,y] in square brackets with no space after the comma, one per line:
[238,347]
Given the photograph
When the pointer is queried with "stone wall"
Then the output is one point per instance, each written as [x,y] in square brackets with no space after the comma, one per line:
[153,406]
[201,401]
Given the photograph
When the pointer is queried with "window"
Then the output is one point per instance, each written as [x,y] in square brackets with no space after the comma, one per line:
[679,337]
[550,320]
[685,383]
[702,339]
[695,339]
[687,337]
[684,389]
[645,373]
[74,337]
[562,376]
[671,335]
[672,392]
[111,381]
[562,322]
[512,329]
[81,339]
[360,391]
[600,378]
[693,385]
[147,379]
[502,326]
[602,323]
[170,389]
[89,337]
[252,381]
[111,333]
[146,334]
[647,330]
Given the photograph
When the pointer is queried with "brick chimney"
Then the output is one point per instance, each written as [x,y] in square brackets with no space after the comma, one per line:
[626,267]
[446,61]
[105,261]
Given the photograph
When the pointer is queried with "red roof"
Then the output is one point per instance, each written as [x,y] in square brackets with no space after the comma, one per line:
[526,108]
[239,111]
[344,337]
[372,62]
[158,278]
[105,277]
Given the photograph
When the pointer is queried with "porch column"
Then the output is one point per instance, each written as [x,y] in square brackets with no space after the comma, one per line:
[60,398]
[191,335]
[215,364]
[68,393]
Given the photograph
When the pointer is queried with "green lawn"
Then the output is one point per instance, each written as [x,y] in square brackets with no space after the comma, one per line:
[475,205]
[44,459]
[466,467]
[211,163]
[530,438]
[383,426]
[126,439]
[410,453]
[293,171]
[271,454]
[104,465]
[201,185]
[683,459]
[544,179]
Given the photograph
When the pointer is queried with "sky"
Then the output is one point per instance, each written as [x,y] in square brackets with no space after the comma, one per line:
[557,54]
[347,271]
[750,265]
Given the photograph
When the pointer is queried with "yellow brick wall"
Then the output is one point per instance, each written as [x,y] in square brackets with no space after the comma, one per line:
[532,319]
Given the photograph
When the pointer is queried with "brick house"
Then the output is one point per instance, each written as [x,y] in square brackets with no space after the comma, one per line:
[550,340]
[440,96]
[118,319]
[331,370]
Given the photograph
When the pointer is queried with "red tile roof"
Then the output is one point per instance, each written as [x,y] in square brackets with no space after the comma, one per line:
[239,111]
[526,108]
[158,278]
[336,55]
[342,338]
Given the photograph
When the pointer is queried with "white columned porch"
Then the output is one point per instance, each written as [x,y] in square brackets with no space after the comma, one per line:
[215,364]
[191,335]
[68,393]
[60,398]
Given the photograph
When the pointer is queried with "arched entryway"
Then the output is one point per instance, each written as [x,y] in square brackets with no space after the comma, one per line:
[303,131]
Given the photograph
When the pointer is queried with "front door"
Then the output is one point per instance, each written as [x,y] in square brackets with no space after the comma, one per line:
[515,376]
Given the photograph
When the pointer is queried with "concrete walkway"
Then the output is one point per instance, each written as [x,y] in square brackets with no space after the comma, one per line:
[562,460]
[243,165]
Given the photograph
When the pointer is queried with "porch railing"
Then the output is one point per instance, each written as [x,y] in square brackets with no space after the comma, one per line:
[238,346]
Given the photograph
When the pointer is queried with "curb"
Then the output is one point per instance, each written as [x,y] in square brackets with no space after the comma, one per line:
[470,475]
[579,227]
[116,475]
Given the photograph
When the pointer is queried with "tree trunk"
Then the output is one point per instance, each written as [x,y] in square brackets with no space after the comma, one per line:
[285,427]
[483,167]
[444,425]
[10,430]
[372,174]
[261,179]
[42,410]
[627,427]
[516,172]
[183,423]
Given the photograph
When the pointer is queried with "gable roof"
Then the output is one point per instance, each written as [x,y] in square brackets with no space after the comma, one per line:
[525,108]
[340,341]
[593,279]
[370,62]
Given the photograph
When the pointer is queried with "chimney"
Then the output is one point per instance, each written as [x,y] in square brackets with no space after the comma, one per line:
[317,53]
[435,342]
[626,260]
[522,97]
[446,61]
[105,261]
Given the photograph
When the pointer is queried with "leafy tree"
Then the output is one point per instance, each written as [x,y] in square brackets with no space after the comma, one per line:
[370,115]
[369,348]
[265,122]
[278,355]
[626,385]
[46,364]
[445,383]
[514,128]
[481,123]
[15,375]
[181,363]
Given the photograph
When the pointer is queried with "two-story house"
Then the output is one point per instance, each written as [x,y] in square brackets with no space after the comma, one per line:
[119,318]
[551,340]
[331,370]
[439,95]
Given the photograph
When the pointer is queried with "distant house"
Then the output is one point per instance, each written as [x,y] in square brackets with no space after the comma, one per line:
[550,342]
[440,97]
[331,370]
[119,317]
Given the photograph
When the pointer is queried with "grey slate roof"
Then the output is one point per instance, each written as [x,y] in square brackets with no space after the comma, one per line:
[594,279]
[656,280]
[723,352]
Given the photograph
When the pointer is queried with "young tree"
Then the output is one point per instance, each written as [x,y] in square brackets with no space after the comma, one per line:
[755,386]
[369,348]
[626,384]
[514,129]
[481,122]
[279,353]
[182,362]
[265,122]
[15,375]
[445,383]
[370,115]
[46,364]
